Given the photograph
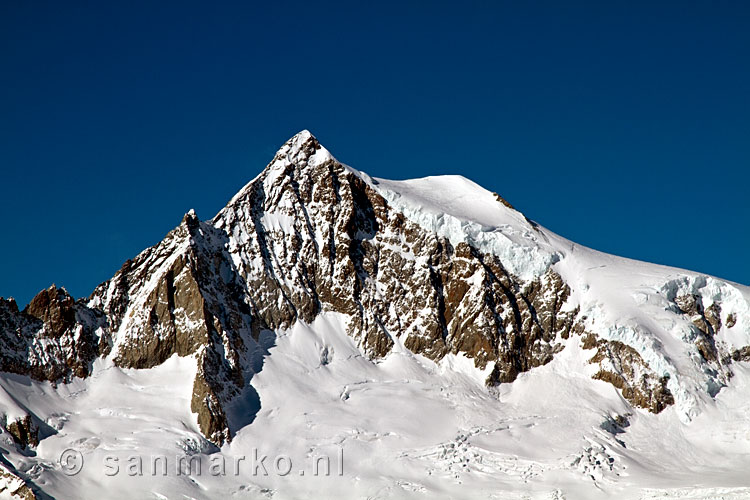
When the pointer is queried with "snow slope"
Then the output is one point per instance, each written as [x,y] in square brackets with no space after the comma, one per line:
[405,427]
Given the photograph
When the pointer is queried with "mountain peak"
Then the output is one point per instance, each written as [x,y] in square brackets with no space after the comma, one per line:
[303,134]
[300,153]
[322,291]
[299,148]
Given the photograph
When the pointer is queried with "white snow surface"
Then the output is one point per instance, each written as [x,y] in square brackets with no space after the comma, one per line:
[406,427]
[456,208]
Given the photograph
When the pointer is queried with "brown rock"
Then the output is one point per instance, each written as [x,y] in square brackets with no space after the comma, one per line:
[24,431]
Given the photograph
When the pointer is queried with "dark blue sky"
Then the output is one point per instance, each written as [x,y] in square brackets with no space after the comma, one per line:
[623,127]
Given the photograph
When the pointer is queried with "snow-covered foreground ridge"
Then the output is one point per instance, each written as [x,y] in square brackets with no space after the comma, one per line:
[422,334]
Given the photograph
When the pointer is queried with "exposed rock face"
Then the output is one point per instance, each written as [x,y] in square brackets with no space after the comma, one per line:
[327,241]
[707,321]
[24,431]
[310,235]
[54,338]
[183,297]
[731,320]
[623,367]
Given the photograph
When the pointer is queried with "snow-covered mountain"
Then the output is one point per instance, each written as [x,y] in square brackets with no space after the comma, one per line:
[422,338]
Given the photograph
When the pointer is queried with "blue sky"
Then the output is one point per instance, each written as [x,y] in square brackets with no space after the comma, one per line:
[622,126]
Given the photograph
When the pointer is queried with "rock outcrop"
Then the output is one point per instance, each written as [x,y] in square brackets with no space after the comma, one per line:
[54,338]
[24,431]
[622,366]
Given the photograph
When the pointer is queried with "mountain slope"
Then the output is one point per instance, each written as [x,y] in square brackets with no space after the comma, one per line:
[341,292]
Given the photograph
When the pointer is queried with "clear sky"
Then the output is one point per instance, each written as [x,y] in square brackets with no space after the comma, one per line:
[624,126]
